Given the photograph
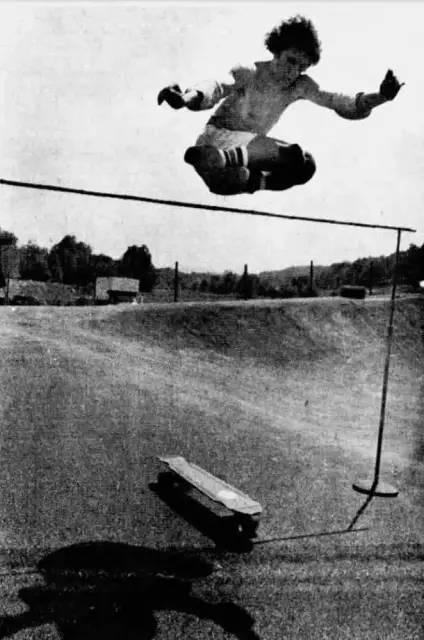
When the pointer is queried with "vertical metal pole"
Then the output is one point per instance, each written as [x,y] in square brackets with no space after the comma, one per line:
[387,365]
[311,275]
[176,283]
[245,282]
[3,272]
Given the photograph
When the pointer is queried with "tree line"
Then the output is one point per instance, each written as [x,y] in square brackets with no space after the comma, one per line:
[371,273]
[72,262]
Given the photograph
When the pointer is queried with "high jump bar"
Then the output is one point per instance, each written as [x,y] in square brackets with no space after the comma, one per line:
[193,205]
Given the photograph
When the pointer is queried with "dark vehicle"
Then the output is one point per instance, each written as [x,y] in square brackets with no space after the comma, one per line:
[350,291]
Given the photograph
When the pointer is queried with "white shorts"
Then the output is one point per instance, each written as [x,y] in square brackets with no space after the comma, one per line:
[224,138]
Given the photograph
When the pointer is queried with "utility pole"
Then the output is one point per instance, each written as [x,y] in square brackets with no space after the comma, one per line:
[245,283]
[176,282]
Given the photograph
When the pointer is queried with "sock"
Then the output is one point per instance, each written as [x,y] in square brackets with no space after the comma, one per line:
[263,180]
[235,157]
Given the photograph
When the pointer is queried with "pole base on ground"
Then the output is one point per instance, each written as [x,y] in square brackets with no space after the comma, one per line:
[379,490]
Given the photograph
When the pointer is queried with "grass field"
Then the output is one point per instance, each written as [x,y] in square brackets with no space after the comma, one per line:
[281,399]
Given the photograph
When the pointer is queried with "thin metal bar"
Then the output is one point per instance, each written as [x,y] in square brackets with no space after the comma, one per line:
[387,365]
[193,205]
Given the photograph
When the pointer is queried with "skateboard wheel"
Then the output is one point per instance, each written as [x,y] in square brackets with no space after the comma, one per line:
[243,527]
[247,527]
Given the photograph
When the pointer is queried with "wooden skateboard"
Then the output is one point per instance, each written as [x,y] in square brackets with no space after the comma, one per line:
[184,474]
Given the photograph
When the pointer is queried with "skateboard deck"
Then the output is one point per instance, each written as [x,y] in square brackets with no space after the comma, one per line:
[214,488]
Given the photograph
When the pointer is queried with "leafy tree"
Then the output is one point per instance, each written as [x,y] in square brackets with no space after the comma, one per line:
[7,238]
[55,267]
[103,266]
[69,260]
[34,263]
[229,282]
[411,267]
[214,283]
[204,285]
[137,263]
[9,257]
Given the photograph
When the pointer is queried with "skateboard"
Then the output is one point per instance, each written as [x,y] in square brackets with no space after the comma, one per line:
[184,474]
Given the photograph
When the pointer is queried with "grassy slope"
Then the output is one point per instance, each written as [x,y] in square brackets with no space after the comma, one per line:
[281,399]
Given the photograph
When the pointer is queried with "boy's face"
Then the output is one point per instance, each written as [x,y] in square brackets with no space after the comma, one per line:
[288,65]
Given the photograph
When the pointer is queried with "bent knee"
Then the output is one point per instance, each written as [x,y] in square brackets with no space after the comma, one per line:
[308,169]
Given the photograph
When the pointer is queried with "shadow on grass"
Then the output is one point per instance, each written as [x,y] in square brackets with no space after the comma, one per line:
[219,529]
[213,527]
[105,590]
[320,534]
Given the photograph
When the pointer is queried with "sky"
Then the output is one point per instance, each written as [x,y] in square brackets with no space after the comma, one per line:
[79,106]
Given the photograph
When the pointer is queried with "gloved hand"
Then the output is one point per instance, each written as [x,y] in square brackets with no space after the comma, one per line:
[390,86]
[173,96]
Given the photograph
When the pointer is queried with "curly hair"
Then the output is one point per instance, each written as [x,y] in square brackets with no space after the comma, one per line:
[296,33]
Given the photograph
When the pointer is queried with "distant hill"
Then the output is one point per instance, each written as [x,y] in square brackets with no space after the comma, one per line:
[370,272]
[285,276]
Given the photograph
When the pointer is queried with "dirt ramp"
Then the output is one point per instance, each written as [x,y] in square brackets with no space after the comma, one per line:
[278,333]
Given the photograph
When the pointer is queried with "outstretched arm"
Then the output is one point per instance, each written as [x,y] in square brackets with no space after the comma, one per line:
[178,99]
[205,95]
[356,107]
[389,89]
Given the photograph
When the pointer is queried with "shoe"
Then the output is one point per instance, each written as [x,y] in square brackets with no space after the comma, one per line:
[205,158]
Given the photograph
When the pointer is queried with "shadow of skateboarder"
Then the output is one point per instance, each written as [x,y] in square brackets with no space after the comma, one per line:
[105,590]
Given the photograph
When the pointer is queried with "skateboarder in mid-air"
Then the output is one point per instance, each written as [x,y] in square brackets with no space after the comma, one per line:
[234,154]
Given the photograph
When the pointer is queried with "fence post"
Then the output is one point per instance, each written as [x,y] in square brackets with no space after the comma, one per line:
[245,282]
[176,283]
[311,275]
